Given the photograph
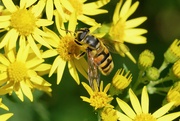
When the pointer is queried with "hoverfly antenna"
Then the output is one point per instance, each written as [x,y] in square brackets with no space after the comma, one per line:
[68,31]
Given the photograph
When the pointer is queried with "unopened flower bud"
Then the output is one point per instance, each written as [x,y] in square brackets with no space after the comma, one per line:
[174,94]
[173,52]
[146,59]
[152,73]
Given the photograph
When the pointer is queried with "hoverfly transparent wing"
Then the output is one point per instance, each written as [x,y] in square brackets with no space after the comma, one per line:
[109,44]
[93,71]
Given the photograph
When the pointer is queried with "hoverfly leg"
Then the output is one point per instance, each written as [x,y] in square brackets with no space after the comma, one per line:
[79,55]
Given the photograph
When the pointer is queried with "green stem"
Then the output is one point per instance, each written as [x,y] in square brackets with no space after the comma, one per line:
[139,80]
[163,66]
[98,116]
[154,83]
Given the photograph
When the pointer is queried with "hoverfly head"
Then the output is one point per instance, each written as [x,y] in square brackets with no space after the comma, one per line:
[81,35]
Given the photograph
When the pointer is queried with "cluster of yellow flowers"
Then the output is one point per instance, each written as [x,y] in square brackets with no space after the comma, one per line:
[33,31]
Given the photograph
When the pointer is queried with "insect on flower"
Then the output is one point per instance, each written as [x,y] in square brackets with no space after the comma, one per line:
[99,58]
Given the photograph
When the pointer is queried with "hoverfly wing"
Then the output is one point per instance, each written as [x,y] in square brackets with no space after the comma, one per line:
[110,45]
[93,71]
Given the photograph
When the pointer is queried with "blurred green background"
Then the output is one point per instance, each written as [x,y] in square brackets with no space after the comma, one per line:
[163,25]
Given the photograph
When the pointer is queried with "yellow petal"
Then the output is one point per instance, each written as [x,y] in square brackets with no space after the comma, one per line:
[60,71]
[135,32]
[13,39]
[135,39]
[87,20]
[59,8]
[73,71]
[67,5]
[4,60]
[4,106]
[26,90]
[116,12]
[49,53]
[19,94]
[135,22]
[72,22]
[55,64]
[169,117]
[43,22]
[135,102]
[9,5]
[6,116]
[88,88]
[82,66]
[40,40]
[4,24]
[42,67]
[33,46]
[163,110]
[125,8]
[4,18]
[53,39]
[90,11]
[6,38]
[126,108]
[122,117]
[145,101]
[38,8]
[39,81]
[33,62]
[49,9]
[85,99]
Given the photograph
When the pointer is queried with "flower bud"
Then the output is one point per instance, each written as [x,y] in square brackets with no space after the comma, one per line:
[174,94]
[120,81]
[146,59]
[173,52]
[152,73]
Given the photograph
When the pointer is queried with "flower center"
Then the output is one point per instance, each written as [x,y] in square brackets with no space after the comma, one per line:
[99,99]
[67,48]
[77,5]
[23,21]
[144,117]
[117,31]
[17,71]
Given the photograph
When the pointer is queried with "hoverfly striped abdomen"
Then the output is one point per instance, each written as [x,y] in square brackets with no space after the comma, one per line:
[98,55]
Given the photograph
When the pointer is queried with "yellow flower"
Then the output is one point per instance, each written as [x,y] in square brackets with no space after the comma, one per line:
[120,82]
[65,50]
[98,98]
[109,114]
[23,24]
[146,59]
[141,111]
[173,52]
[83,10]
[174,94]
[123,30]
[176,69]
[19,73]
[4,117]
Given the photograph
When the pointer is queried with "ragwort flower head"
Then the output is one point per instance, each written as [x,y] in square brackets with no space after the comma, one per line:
[4,117]
[65,50]
[23,23]
[19,73]
[173,52]
[120,81]
[109,114]
[141,111]
[123,30]
[98,98]
[174,94]
[66,7]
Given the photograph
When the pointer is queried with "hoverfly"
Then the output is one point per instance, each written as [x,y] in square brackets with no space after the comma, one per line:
[99,58]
